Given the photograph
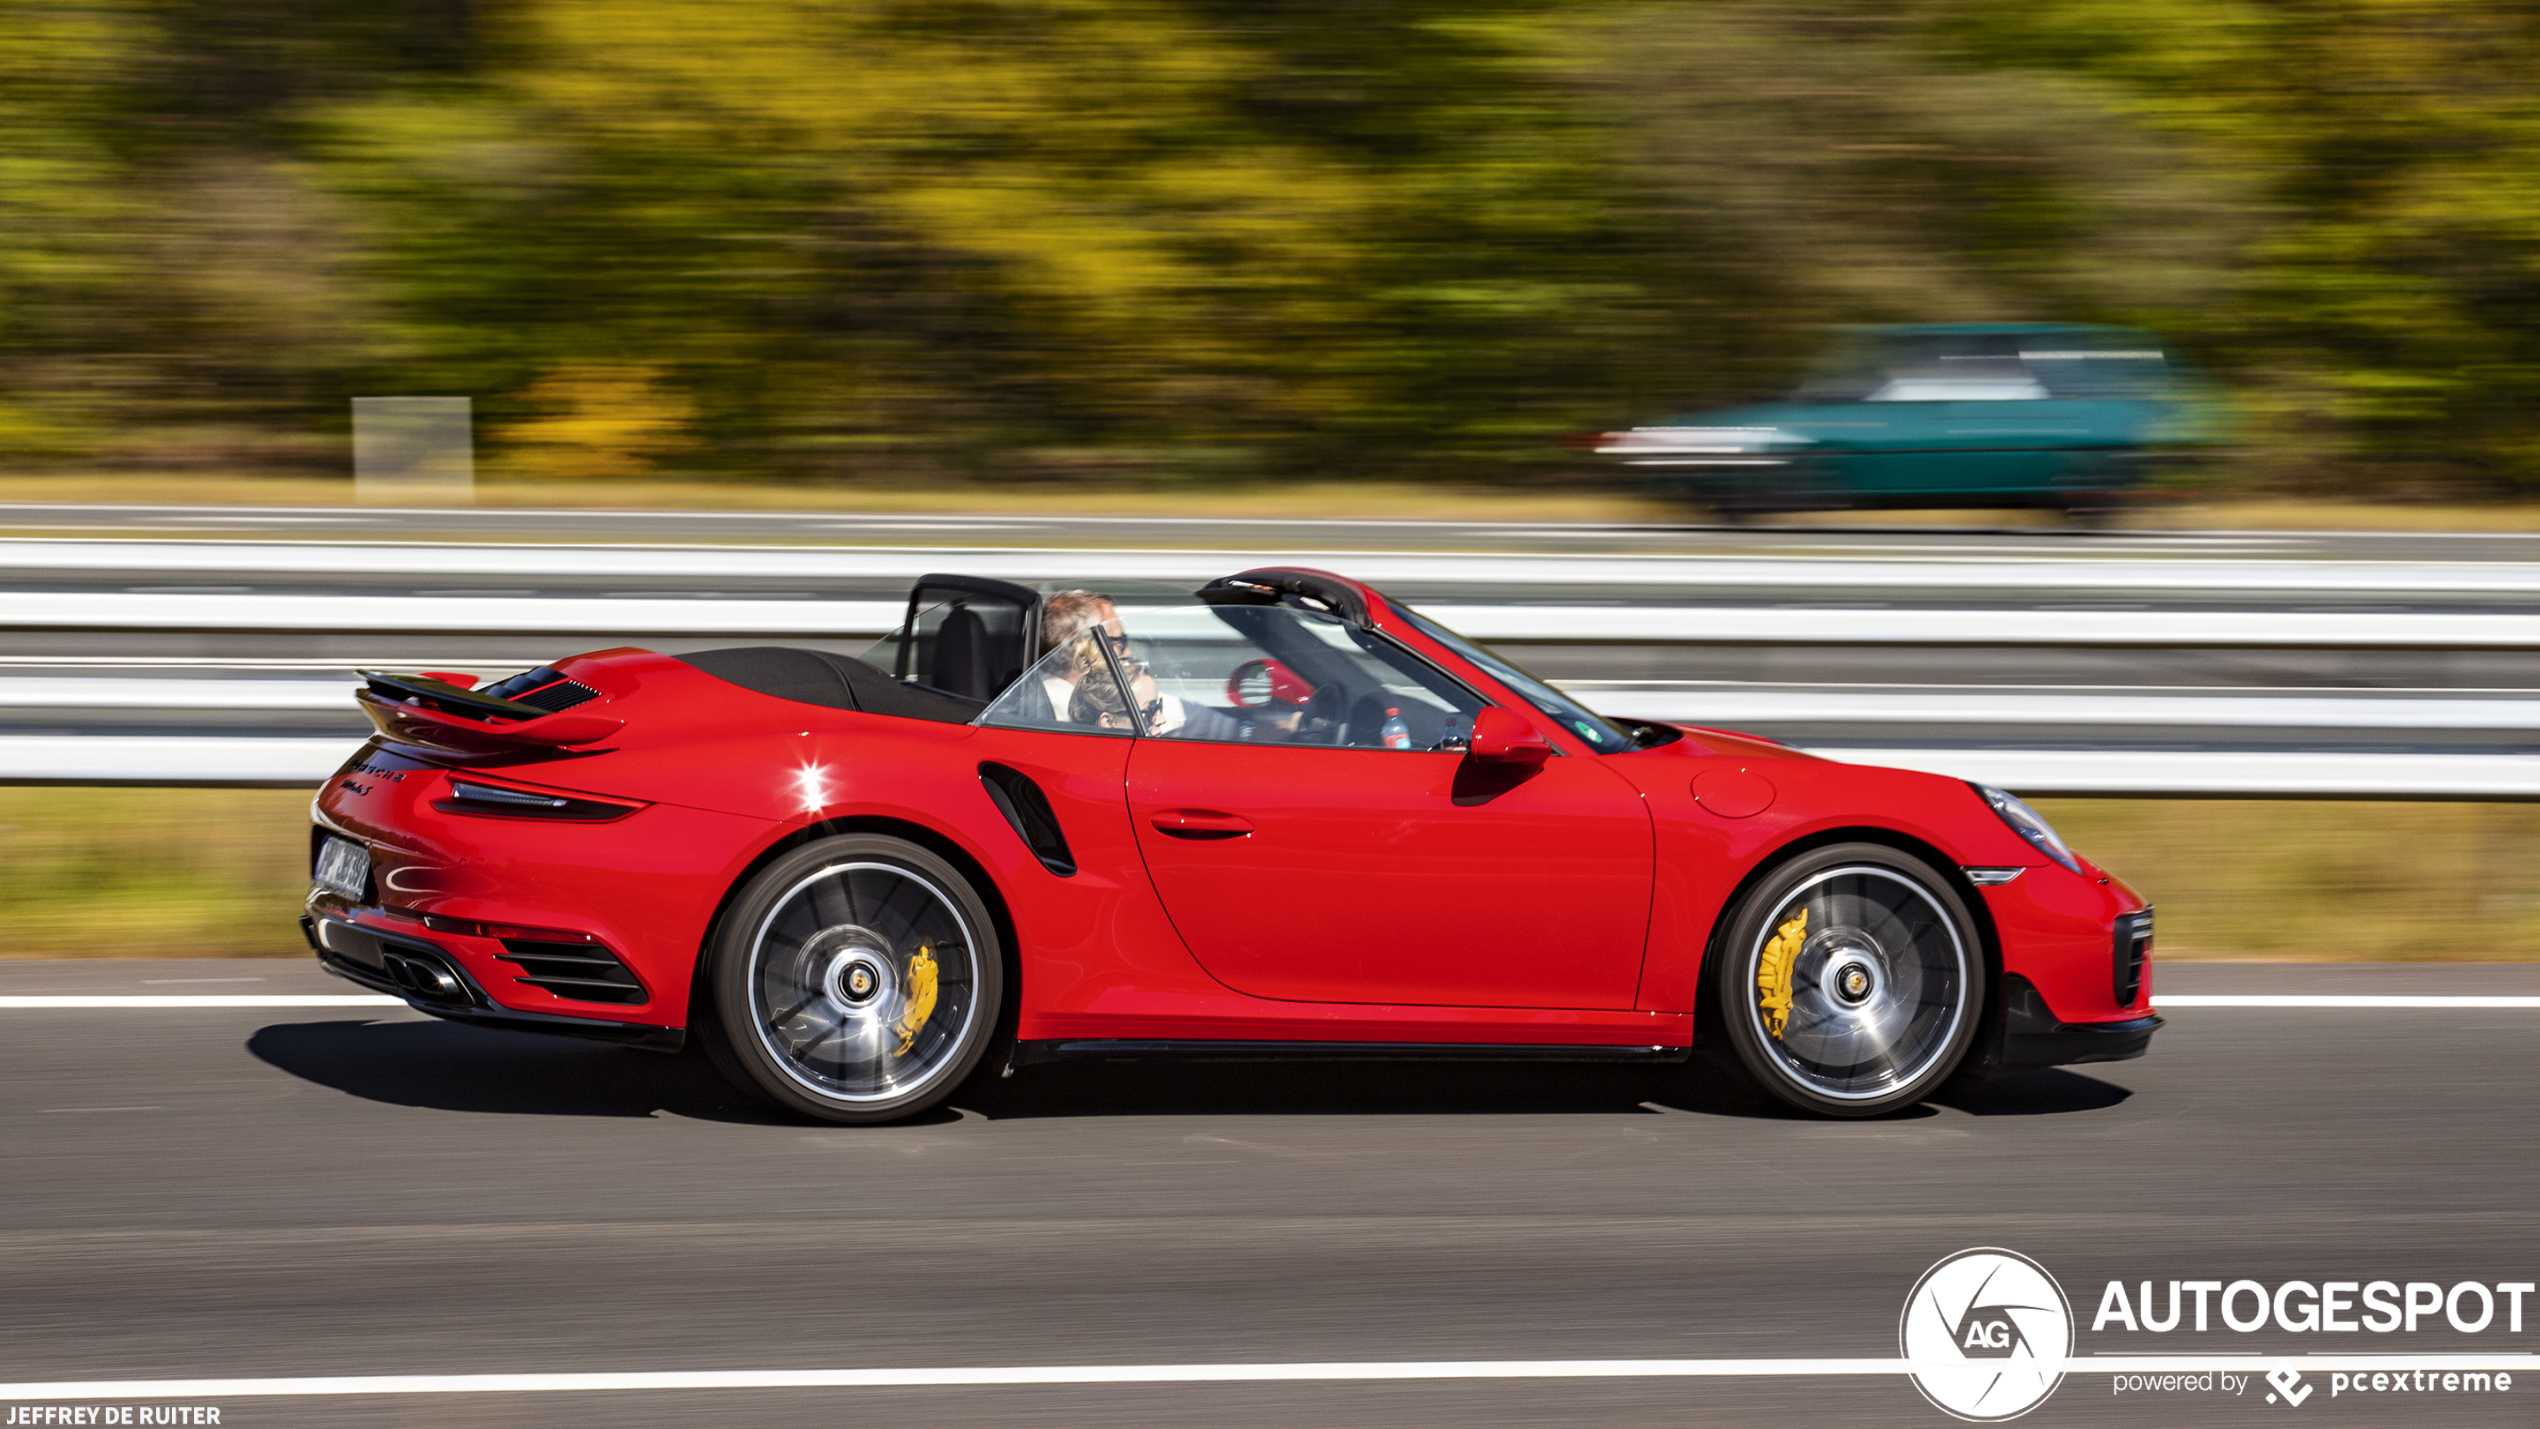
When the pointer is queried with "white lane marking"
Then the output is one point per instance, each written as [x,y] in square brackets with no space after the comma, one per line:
[201,999]
[1184,1374]
[2336,999]
[84,1110]
[171,981]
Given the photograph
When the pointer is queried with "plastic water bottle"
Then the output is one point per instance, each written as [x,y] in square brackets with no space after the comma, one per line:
[1395,734]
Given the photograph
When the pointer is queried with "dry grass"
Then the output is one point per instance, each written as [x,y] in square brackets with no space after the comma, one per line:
[2304,880]
[1366,500]
[220,872]
[161,873]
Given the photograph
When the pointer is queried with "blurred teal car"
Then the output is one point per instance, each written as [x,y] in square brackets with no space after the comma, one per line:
[2061,416]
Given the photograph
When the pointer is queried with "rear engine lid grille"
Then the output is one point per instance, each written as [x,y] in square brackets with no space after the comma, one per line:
[562,695]
[585,972]
[512,687]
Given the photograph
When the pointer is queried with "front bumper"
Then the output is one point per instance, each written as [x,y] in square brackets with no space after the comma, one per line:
[429,980]
[2024,1034]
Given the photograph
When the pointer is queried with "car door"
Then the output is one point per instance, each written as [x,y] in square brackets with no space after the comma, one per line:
[1056,779]
[1974,414]
[1349,857]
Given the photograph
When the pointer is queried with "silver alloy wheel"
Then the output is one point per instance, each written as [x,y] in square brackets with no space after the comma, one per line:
[1858,983]
[864,982]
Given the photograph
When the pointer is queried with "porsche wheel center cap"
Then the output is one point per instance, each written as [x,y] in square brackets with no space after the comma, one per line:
[1854,981]
[856,978]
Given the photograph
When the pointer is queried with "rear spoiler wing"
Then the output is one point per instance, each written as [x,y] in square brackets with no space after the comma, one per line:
[435,714]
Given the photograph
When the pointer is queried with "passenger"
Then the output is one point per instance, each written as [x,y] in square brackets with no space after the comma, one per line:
[1064,617]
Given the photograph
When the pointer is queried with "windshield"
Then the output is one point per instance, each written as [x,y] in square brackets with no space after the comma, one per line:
[1243,674]
[1577,718]
[1989,367]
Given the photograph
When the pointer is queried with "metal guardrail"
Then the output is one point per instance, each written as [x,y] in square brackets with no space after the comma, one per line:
[300,757]
[171,720]
[1567,623]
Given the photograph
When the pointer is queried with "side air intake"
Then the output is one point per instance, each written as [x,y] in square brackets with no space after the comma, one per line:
[2133,951]
[1029,811]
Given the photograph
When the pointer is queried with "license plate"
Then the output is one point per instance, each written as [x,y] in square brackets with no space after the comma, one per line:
[343,866]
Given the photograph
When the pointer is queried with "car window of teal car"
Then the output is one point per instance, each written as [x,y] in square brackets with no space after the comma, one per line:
[1589,726]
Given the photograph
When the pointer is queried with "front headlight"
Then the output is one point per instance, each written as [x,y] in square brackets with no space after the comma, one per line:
[2028,824]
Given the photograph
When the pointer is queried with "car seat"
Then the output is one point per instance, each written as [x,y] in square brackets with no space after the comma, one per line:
[964,665]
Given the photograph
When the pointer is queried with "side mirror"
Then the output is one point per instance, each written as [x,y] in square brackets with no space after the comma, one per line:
[1502,737]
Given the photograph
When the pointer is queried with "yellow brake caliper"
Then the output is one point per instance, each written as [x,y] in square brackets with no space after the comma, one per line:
[1772,972]
[921,998]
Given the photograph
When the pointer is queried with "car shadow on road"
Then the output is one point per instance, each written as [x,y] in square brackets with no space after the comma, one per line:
[448,1067]
[1161,1086]
[1167,1087]
[1164,1087]
[2048,1092]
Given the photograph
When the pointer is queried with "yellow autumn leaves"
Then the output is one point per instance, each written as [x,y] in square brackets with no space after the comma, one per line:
[598,422]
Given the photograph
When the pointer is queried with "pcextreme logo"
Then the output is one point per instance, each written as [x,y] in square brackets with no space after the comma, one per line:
[1988,1332]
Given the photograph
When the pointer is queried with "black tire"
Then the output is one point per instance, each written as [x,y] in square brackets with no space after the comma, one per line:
[857,979]
[1874,966]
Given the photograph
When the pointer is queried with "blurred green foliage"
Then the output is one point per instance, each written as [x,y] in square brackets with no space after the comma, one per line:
[1202,239]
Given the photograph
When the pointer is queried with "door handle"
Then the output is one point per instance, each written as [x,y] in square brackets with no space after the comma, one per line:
[1201,824]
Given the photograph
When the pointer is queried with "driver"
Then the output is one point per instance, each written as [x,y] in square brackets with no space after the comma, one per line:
[1073,615]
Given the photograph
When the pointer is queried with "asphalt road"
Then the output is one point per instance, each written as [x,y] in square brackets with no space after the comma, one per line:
[229,1192]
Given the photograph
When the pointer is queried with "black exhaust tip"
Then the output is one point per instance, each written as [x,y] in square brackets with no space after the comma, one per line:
[424,977]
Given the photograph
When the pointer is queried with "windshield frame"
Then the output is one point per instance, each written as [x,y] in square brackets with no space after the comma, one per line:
[1532,689]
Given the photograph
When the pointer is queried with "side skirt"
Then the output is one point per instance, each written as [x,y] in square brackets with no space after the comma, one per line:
[1121,1049]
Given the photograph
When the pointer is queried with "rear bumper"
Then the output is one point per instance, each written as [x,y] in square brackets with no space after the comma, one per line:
[429,980]
[2026,1035]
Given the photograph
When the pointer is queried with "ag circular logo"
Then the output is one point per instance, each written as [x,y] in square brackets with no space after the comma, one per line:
[1988,1332]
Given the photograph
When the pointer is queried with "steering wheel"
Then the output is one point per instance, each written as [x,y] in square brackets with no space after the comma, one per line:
[1325,718]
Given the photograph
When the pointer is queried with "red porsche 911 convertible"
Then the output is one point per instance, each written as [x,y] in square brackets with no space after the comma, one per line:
[1278,816]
